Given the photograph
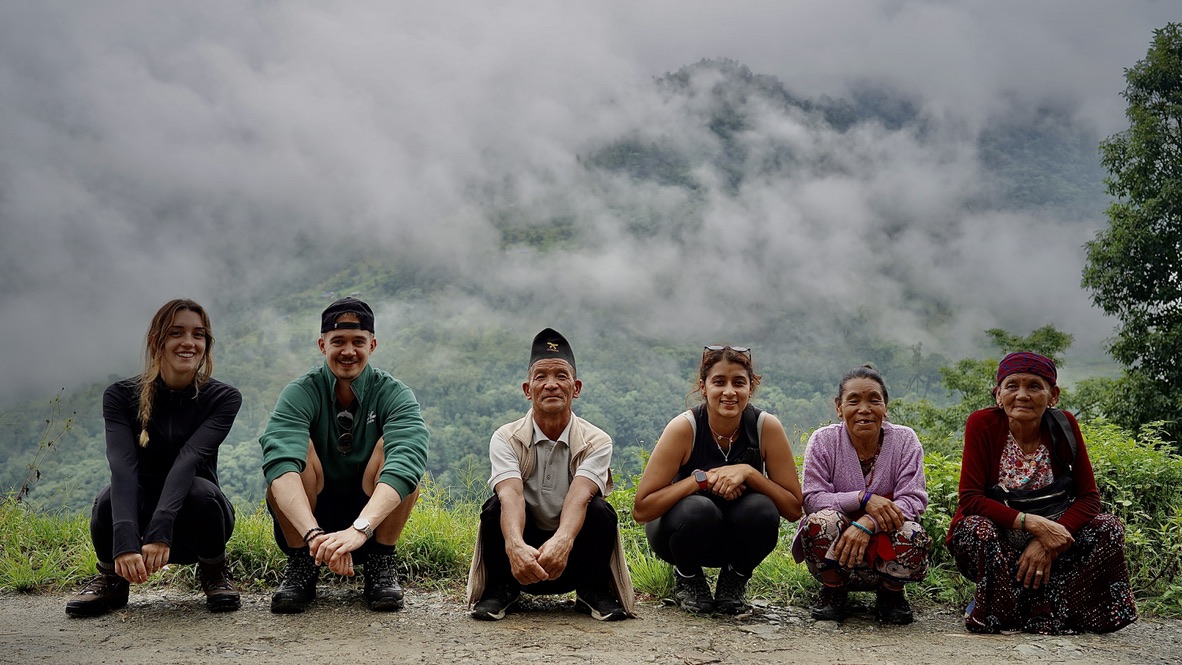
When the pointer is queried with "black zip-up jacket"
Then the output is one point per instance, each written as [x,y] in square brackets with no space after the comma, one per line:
[185,431]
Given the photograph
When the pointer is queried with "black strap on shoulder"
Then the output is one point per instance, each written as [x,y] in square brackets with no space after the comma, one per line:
[1057,418]
[750,424]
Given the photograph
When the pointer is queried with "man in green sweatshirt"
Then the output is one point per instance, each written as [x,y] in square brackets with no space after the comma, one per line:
[343,454]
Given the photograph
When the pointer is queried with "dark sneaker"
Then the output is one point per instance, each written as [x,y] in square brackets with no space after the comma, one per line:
[731,591]
[693,594]
[830,604]
[892,607]
[102,594]
[220,594]
[382,591]
[495,604]
[298,587]
[601,605]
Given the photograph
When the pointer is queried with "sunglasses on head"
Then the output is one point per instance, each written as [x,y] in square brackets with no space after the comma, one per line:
[745,350]
[345,438]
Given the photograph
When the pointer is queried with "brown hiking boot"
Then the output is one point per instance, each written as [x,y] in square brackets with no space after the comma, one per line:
[220,594]
[102,594]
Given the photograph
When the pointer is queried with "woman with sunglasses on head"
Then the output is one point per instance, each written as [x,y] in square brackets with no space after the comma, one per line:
[163,504]
[719,479]
[863,495]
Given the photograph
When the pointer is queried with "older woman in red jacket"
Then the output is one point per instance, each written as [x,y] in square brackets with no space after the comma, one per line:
[1028,528]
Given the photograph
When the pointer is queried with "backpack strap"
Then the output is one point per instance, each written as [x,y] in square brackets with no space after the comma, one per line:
[1057,418]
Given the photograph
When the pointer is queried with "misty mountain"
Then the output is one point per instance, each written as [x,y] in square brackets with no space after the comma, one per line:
[712,205]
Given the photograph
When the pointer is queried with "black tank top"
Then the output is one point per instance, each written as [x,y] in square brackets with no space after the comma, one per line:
[707,455]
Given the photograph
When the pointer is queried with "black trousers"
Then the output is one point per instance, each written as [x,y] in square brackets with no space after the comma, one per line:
[202,528]
[587,569]
[706,530]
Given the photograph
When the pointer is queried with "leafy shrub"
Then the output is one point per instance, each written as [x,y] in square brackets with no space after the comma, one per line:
[1140,481]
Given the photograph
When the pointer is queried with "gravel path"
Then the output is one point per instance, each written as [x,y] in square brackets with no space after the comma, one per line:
[172,626]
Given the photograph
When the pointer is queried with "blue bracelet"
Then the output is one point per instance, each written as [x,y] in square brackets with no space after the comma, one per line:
[865,500]
[859,525]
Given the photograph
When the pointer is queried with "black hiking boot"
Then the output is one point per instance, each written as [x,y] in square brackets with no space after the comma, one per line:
[298,587]
[693,593]
[892,607]
[730,594]
[830,604]
[382,591]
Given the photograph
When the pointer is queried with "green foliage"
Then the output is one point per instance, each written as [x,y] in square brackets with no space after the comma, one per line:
[1140,481]
[40,550]
[1132,266]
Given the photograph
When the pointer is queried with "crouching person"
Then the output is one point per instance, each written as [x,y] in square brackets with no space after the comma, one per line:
[343,454]
[164,504]
[547,528]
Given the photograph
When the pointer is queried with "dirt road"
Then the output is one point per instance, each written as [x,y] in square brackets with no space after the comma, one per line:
[172,626]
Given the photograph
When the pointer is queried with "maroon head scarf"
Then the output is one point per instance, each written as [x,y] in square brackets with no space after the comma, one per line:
[1024,362]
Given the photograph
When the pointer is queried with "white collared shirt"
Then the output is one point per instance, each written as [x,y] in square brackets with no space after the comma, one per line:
[546,489]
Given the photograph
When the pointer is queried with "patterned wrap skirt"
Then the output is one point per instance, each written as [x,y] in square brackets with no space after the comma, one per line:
[1088,588]
[891,558]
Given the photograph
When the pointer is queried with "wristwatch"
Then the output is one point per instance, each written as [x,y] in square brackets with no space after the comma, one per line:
[700,476]
[362,525]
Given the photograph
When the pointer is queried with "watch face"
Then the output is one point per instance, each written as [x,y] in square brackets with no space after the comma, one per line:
[361,524]
[700,476]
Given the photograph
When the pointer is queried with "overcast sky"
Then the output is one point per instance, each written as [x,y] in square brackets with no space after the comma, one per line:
[143,143]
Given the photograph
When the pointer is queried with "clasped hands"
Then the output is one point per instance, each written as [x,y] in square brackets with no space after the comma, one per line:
[850,548]
[728,482]
[135,567]
[538,564]
[336,549]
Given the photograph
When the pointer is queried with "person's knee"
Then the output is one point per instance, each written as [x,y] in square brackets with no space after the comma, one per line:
[694,509]
[758,510]
[1108,527]
[203,493]
[977,527]
[100,511]
[823,519]
[600,514]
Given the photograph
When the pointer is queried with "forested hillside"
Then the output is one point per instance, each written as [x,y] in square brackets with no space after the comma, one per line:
[726,139]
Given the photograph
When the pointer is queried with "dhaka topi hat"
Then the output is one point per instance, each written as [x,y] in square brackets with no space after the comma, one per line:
[328,319]
[551,344]
[1025,362]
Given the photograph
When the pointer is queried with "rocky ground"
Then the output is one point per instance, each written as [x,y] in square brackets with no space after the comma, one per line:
[172,626]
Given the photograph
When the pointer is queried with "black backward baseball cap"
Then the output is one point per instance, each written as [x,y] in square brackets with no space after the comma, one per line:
[328,319]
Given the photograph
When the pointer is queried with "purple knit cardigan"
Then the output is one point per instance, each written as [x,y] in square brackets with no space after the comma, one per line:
[833,476]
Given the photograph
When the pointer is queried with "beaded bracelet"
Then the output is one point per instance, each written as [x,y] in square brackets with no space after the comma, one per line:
[312,533]
[860,526]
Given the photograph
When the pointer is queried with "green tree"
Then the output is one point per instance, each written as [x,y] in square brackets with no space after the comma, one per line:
[1132,266]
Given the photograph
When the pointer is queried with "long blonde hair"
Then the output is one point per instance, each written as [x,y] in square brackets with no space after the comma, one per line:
[154,349]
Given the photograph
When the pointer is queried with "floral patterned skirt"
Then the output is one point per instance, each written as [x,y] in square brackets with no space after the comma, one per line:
[1088,588]
[893,558]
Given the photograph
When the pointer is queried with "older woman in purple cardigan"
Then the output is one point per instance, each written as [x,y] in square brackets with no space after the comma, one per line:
[863,494]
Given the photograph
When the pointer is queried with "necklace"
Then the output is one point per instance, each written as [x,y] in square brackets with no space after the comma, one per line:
[726,454]
[868,465]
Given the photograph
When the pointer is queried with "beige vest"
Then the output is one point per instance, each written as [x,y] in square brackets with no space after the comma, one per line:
[585,439]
